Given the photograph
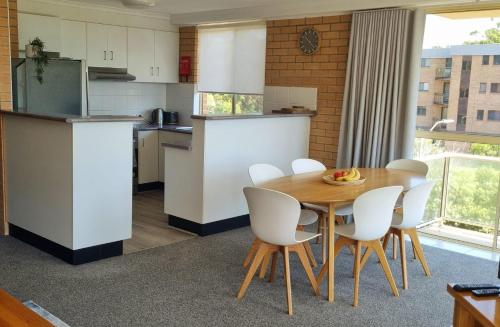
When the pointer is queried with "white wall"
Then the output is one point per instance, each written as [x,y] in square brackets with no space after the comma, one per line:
[180,97]
[278,97]
[97,14]
[125,98]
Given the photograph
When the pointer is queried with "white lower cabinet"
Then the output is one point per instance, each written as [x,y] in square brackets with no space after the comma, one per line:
[148,156]
[164,137]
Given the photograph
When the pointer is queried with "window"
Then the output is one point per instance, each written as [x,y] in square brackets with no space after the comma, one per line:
[486,60]
[231,104]
[231,68]
[496,60]
[448,63]
[464,93]
[480,115]
[425,62]
[483,87]
[423,87]
[421,111]
[494,115]
[494,88]
[466,64]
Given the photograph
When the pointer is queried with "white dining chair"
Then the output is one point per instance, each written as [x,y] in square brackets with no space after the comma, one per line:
[372,213]
[273,218]
[262,173]
[415,166]
[406,223]
[305,165]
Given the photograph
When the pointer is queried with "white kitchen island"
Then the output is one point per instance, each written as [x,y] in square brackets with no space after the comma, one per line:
[69,183]
[204,178]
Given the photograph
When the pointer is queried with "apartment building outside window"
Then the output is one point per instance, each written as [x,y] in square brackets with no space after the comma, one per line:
[421,111]
[464,93]
[494,115]
[480,115]
[425,62]
[486,60]
[483,87]
[496,60]
[494,88]
[423,86]
[466,65]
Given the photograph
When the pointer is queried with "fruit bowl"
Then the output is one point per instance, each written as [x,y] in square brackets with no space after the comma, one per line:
[330,180]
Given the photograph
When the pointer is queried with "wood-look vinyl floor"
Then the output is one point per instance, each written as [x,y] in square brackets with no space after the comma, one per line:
[149,224]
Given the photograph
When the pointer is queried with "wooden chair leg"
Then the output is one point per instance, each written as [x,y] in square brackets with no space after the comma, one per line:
[320,228]
[301,252]
[377,247]
[418,249]
[402,247]
[394,247]
[386,241]
[357,259]
[414,252]
[273,267]
[263,267]
[324,240]
[310,254]
[341,241]
[251,252]
[261,252]
[365,257]
[286,255]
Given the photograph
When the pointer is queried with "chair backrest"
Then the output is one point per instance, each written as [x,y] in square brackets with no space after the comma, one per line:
[416,166]
[373,212]
[414,202]
[273,215]
[300,166]
[261,173]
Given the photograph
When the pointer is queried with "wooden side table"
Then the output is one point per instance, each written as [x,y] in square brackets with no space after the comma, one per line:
[472,311]
[14,313]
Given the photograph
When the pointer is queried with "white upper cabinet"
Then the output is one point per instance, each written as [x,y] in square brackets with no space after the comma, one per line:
[47,28]
[153,56]
[73,39]
[106,46]
[167,57]
[141,58]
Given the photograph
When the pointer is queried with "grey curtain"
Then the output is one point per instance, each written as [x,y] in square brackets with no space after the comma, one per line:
[380,91]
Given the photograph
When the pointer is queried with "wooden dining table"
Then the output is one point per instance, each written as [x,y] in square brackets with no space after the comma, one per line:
[310,188]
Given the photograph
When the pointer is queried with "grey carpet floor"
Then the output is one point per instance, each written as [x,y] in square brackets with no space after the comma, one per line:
[193,283]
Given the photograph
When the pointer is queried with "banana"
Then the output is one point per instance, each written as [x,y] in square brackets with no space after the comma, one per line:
[350,175]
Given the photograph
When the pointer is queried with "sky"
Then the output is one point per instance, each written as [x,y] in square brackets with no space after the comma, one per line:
[443,32]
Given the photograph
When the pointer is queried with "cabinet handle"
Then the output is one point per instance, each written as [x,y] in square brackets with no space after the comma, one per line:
[151,70]
[104,54]
[112,55]
[157,71]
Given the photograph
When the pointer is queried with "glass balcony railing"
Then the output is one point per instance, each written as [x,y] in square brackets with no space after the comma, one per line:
[441,98]
[465,202]
[443,73]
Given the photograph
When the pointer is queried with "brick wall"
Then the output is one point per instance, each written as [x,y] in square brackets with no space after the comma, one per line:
[14,39]
[324,70]
[188,46]
[5,51]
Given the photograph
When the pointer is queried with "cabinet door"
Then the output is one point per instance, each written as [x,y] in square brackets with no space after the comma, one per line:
[167,57]
[140,54]
[117,46]
[47,28]
[73,39]
[97,45]
[148,156]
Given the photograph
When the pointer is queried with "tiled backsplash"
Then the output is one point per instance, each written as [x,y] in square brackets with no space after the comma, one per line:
[121,98]
[277,97]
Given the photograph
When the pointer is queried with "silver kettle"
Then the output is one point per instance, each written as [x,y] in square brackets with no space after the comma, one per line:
[157,117]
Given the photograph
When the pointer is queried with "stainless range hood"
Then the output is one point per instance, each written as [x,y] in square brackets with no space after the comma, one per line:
[110,74]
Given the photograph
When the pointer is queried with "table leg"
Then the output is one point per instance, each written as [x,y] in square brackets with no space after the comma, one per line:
[331,254]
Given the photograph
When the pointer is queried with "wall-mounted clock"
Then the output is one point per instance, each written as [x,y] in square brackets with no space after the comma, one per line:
[309,41]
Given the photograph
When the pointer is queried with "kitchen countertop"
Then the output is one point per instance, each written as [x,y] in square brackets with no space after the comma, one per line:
[227,117]
[166,128]
[178,145]
[73,118]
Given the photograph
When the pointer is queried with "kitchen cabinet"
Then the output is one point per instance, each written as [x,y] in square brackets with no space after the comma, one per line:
[73,39]
[106,46]
[147,156]
[47,28]
[164,137]
[153,56]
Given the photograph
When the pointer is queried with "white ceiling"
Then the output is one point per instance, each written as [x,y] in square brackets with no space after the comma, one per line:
[188,12]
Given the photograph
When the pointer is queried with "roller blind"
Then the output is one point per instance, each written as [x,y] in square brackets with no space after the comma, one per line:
[232,59]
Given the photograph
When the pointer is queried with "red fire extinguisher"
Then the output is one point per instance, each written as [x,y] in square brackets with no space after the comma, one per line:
[184,67]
